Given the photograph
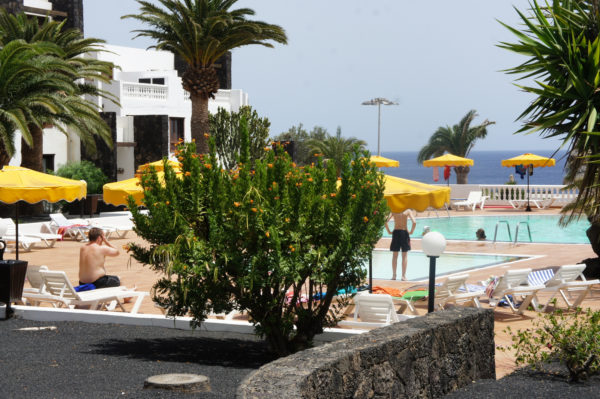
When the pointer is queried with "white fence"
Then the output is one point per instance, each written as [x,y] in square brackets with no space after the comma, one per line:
[500,194]
[145,91]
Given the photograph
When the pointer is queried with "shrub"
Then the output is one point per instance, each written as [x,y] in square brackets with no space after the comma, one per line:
[571,338]
[84,170]
[274,240]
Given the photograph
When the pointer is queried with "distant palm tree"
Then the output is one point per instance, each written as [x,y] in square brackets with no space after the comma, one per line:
[77,114]
[26,89]
[200,32]
[457,140]
[334,148]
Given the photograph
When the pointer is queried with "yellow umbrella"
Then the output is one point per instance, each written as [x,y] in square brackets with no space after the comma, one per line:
[402,194]
[448,160]
[529,160]
[22,184]
[384,162]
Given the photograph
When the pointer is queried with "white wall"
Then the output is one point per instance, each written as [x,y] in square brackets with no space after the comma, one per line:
[135,59]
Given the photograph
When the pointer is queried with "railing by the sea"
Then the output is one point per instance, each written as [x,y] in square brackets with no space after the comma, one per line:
[501,194]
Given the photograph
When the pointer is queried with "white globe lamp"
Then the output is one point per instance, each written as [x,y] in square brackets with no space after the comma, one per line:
[433,244]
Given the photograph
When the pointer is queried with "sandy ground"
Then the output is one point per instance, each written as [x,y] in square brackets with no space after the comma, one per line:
[64,256]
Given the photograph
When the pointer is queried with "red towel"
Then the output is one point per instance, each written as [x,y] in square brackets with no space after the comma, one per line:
[388,290]
[446,172]
[62,230]
[436,173]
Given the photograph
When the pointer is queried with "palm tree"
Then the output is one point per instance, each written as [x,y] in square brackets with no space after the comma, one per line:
[334,148]
[562,44]
[74,112]
[457,140]
[200,32]
[27,89]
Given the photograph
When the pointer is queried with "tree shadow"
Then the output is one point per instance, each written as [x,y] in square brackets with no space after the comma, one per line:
[207,351]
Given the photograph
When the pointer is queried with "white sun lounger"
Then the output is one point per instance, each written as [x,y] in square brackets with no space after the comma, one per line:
[449,292]
[57,289]
[565,282]
[26,230]
[374,310]
[474,199]
[24,241]
[515,283]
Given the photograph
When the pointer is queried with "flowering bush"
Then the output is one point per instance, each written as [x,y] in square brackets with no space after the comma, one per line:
[571,338]
[274,240]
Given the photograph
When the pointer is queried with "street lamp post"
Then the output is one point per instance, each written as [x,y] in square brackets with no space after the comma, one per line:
[433,244]
[379,102]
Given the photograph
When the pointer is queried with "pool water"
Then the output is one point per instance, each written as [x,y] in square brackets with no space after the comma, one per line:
[447,263]
[544,228]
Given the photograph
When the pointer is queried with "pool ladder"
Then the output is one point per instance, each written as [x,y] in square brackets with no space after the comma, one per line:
[516,230]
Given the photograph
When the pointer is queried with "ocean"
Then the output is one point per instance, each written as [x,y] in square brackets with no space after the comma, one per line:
[486,169]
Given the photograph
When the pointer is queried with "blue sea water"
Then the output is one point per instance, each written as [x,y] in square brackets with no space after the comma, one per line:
[486,169]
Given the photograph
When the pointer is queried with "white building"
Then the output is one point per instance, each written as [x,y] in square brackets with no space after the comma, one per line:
[153,112]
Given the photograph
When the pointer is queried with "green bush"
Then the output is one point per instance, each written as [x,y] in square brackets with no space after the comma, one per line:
[571,338]
[274,240]
[84,170]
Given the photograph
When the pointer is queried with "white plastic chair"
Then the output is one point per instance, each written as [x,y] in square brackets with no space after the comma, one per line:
[515,283]
[475,198]
[564,282]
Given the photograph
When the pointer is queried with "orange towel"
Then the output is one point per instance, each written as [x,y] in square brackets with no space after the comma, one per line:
[388,290]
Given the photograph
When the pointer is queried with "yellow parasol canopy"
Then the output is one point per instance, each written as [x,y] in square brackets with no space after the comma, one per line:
[448,160]
[22,184]
[527,159]
[384,162]
[402,194]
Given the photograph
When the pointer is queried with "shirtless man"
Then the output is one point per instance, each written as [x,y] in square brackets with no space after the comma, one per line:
[91,261]
[400,239]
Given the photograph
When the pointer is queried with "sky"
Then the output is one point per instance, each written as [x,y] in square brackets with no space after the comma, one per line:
[437,59]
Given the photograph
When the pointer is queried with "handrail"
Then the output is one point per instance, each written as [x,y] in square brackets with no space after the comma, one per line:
[507,229]
[517,231]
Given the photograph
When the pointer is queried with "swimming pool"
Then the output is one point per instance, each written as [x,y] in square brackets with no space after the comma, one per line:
[544,228]
[418,263]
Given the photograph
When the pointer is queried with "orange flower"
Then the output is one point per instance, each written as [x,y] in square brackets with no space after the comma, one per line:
[236,204]
[294,164]
[325,179]
[180,159]
[267,234]
[167,202]
[287,220]
[254,210]
[324,196]
[339,178]
[365,219]
[252,201]
[187,173]
[207,165]
[184,267]
[332,195]
[270,165]
[353,196]
[276,198]
[126,247]
[310,179]
[206,135]
[267,148]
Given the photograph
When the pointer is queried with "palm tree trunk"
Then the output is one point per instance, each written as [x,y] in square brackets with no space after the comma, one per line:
[31,157]
[4,157]
[462,174]
[200,122]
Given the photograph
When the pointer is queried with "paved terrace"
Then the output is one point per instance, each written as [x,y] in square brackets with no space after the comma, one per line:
[65,257]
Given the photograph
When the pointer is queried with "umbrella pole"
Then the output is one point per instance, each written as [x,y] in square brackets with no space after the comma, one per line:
[528,209]
[17,230]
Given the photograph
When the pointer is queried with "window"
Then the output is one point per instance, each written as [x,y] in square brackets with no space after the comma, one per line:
[175,132]
[158,81]
[47,162]
[145,80]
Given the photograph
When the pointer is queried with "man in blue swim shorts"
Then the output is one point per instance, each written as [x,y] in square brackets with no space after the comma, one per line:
[400,239]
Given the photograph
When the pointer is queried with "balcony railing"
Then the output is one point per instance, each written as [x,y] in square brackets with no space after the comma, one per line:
[145,91]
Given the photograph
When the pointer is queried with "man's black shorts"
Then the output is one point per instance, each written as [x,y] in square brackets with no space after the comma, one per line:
[106,281]
[400,241]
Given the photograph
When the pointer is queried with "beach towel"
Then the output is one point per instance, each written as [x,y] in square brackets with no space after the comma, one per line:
[520,170]
[436,173]
[446,172]
[388,290]
[539,277]
[62,230]
[85,287]
[489,290]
